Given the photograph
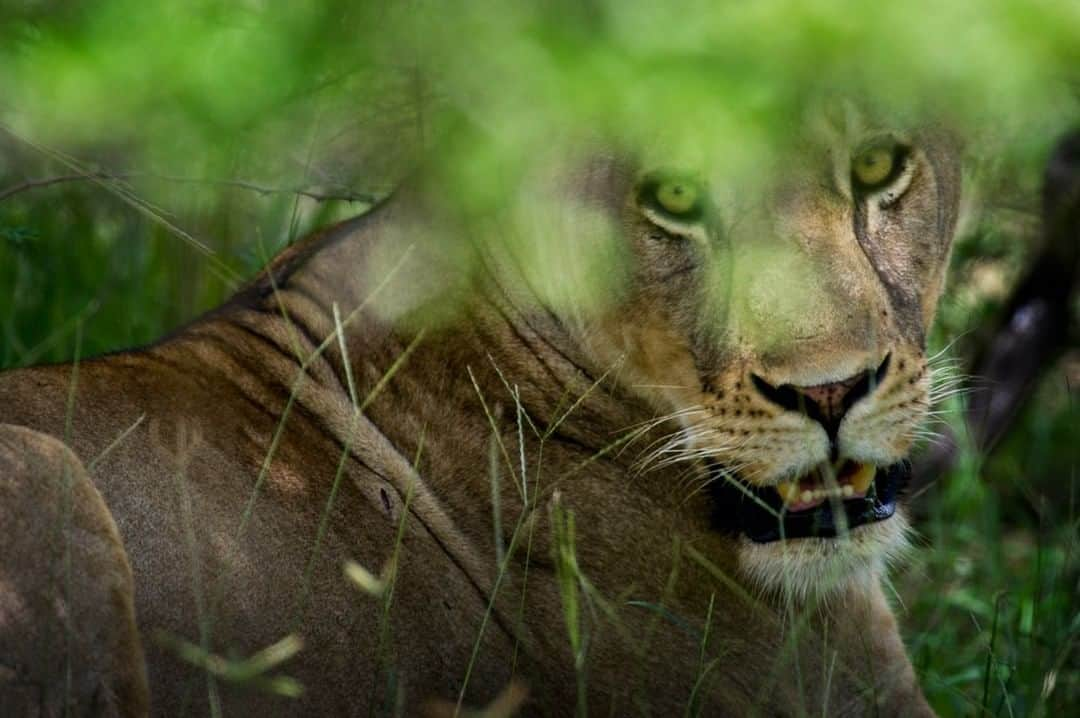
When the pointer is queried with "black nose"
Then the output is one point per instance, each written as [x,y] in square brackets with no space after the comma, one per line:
[825,403]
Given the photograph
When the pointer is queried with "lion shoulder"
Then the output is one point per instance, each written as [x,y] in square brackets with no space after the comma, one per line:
[67,586]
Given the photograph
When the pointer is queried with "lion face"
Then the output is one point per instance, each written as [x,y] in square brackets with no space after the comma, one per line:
[785,335]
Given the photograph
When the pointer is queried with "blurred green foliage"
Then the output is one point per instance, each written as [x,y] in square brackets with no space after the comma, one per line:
[726,82]
[204,115]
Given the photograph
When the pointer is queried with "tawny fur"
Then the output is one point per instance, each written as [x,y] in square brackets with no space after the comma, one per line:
[229,548]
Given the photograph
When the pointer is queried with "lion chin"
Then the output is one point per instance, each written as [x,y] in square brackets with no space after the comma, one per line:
[821,569]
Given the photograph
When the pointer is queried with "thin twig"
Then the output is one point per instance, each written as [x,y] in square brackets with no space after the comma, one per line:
[241,184]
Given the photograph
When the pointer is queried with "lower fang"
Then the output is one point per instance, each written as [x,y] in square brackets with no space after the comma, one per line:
[848,491]
[788,490]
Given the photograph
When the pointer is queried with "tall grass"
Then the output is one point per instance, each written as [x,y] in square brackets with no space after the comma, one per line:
[988,603]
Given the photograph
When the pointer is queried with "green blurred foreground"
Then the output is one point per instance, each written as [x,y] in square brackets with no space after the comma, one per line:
[206,118]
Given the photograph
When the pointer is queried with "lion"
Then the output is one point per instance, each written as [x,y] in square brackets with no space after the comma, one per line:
[633,445]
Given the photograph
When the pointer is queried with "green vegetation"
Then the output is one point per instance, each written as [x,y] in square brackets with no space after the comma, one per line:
[155,154]
[991,595]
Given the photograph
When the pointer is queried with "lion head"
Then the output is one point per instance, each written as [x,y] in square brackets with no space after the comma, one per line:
[782,331]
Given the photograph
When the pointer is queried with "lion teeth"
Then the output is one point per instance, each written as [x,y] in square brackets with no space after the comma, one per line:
[860,482]
[796,492]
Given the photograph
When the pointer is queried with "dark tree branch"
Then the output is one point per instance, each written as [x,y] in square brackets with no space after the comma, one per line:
[1035,326]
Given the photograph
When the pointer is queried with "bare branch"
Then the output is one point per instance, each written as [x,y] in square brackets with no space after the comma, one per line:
[240,184]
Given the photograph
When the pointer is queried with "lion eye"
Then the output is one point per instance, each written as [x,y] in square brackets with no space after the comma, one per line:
[876,166]
[678,197]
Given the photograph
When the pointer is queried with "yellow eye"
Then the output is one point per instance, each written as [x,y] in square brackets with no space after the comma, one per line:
[678,196]
[874,166]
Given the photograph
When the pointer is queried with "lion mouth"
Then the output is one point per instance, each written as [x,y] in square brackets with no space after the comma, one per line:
[825,503]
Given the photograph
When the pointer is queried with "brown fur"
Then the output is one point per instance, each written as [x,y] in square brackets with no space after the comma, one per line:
[62,612]
[221,541]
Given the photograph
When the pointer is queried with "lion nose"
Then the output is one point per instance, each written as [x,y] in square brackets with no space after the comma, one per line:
[828,403]
[825,403]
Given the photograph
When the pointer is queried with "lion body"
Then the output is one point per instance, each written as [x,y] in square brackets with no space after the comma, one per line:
[241,480]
